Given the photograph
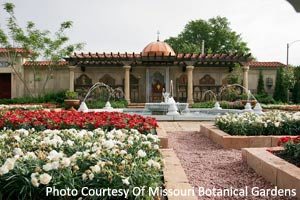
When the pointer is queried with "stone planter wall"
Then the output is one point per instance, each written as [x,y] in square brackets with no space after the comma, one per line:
[237,142]
[174,175]
[163,137]
[272,168]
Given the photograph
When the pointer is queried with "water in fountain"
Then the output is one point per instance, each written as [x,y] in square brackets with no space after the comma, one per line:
[111,92]
[257,108]
[217,105]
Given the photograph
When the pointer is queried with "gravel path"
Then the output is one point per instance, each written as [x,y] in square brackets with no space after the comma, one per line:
[210,166]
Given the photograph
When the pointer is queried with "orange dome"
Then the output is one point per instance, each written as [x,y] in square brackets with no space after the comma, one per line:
[158,48]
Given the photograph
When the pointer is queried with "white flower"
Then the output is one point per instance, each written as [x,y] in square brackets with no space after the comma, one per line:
[17,138]
[141,153]
[3,170]
[18,151]
[30,155]
[10,163]
[125,181]
[108,144]
[96,169]
[84,176]
[91,176]
[152,163]
[51,166]
[123,152]
[23,132]
[54,155]
[70,142]
[66,162]
[35,182]
[45,178]
[155,146]
[276,124]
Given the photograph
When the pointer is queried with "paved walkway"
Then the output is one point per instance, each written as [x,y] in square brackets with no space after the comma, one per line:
[179,126]
[209,165]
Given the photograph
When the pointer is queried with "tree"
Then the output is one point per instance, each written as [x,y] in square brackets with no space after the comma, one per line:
[217,34]
[296,89]
[260,84]
[280,92]
[39,44]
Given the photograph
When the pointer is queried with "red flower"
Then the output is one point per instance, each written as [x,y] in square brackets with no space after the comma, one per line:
[40,119]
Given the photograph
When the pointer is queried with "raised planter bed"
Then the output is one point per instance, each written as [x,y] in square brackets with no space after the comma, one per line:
[274,169]
[237,142]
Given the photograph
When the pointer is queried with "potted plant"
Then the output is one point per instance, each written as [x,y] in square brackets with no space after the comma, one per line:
[71,100]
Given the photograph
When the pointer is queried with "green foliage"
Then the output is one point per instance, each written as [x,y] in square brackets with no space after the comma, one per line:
[206,104]
[260,84]
[100,104]
[71,94]
[39,44]
[217,34]
[291,151]
[265,98]
[280,92]
[296,89]
[52,97]
[223,104]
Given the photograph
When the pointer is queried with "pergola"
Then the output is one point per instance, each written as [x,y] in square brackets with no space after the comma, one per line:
[118,59]
[189,61]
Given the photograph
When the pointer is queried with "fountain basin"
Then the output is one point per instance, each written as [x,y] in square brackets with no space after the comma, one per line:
[106,110]
[163,107]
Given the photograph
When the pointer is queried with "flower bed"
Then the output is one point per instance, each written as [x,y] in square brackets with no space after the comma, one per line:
[41,120]
[291,152]
[282,107]
[32,160]
[271,123]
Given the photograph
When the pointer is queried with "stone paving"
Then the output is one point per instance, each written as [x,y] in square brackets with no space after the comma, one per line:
[208,165]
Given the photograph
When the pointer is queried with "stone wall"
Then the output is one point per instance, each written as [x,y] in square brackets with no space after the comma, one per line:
[267,74]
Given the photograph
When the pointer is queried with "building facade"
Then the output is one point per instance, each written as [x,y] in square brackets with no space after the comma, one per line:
[143,76]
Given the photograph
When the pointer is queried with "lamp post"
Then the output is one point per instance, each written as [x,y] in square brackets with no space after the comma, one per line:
[287,59]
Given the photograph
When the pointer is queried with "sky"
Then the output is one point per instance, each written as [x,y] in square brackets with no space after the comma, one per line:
[129,25]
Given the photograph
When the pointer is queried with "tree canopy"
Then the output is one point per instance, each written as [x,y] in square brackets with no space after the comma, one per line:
[217,34]
[38,43]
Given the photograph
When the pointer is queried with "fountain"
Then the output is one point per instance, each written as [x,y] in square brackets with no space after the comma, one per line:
[248,108]
[83,107]
[169,106]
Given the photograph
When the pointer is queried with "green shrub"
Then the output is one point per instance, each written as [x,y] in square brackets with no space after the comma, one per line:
[260,84]
[291,151]
[71,94]
[280,92]
[101,104]
[51,97]
[265,99]
[207,104]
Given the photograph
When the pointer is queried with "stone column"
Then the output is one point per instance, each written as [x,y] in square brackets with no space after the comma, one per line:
[167,89]
[245,78]
[190,98]
[147,85]
[127,83]
[72,77]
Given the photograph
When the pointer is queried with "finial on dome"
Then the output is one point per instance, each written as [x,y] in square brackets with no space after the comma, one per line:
[158,35]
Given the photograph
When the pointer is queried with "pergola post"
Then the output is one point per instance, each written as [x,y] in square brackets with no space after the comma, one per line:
[72,77]
[127,83]
[190,98]
[245,78]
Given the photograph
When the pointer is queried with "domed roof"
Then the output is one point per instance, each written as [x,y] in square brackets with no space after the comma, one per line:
[158,48]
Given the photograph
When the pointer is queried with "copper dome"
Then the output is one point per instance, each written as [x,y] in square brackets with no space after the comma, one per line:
[158,48]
